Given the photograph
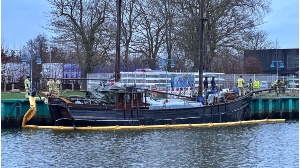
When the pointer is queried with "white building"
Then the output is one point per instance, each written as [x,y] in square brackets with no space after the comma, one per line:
[154,78]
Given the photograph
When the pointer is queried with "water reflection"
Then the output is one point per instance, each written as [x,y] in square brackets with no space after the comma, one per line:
[253,145]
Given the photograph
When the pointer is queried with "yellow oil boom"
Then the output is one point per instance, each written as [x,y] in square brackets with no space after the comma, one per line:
[141,127]
[31,112]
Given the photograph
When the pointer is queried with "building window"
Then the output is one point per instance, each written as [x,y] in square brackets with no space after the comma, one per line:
[292,61]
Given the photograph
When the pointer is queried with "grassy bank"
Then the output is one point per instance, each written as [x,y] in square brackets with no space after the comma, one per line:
[9,95]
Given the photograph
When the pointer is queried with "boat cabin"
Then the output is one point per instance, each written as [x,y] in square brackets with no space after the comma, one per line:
[131,98]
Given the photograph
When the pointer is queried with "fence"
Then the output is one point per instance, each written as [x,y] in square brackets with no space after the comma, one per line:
[224,80]
[269,79]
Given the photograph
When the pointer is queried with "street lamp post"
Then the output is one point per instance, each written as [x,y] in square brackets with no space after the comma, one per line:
[50,61]
[281,66]
[38,61]
[163,63]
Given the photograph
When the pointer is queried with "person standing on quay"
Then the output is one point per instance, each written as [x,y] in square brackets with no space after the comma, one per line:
[240,84]
[50,85]
[205,83]
[27,87]
[213,83]
[256,84]
[250,85]
[57,86]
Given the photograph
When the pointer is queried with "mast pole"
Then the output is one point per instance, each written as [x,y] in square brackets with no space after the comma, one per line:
[118,39]
[201,47]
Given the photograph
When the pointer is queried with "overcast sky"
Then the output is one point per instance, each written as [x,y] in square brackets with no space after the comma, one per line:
[22,20]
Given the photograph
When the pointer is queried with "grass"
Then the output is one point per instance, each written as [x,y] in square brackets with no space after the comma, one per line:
[9,95]
[272,94]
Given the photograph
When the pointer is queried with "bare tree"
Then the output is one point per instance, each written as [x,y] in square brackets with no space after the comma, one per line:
[36,48]
[257,40]
[129,19]
[150,32]
[153,29]
[227,24]
[80,18]
[188,33]
[169,13]
[229,21]
[4,55]
[146,25]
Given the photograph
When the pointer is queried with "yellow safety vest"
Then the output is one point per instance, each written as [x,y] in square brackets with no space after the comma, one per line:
[240,82]
[57,83]
[50,85]
[256,84]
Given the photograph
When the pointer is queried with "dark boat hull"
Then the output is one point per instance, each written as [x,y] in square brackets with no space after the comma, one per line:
[85,115]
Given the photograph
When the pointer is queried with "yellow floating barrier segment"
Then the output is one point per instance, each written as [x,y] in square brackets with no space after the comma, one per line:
[31,112]
[141,127]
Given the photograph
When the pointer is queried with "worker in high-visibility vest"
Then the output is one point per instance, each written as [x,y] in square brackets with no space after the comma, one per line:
[279,86]
[256,84]
[51,86]
[240,84]
[27,86]
[57,86]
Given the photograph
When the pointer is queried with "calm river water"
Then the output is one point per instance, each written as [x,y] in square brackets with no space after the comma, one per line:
[255,145]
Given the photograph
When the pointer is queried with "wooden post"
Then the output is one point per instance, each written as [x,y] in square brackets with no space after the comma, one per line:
[201,47]
[118,38]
